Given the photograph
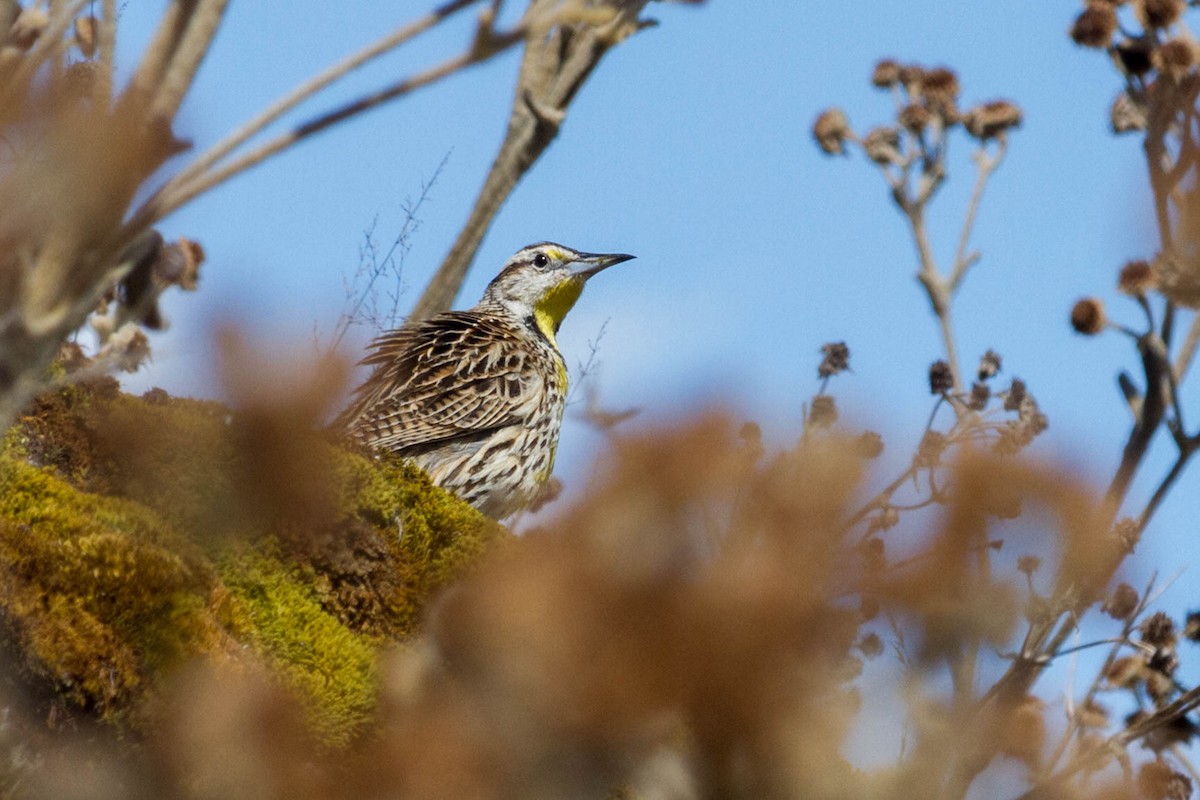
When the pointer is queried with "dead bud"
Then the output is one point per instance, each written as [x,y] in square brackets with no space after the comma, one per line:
[1137,278]
[1028,565]
[871,646]
[1157,781]
[882,145]
[980,394]
[989,365]
[1158,630]
[1015,395]
[940,83]
[836,359]
[1158,14]
[1175,58]
[886,74]
[1191,627]
[1126,534]
[1087,316]
[929,451]
[1121,603]
[1125,672]
[869,444]
[831,130]
[1127,115]
[1092,715]
[941,379]
[1095,25]
[992,119]
[914,118]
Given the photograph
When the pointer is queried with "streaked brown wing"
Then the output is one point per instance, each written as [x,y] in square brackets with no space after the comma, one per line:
[450,377]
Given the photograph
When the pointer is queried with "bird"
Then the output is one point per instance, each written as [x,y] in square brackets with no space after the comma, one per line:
[476,397]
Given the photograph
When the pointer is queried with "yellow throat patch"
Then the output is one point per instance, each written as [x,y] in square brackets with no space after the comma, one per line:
[552,307]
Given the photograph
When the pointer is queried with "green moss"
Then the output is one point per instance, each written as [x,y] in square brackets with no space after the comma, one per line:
[434,535]
[101,595]
[133,537]
[331,667]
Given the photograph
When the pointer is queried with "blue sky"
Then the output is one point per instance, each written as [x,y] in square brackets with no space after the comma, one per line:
[690,148]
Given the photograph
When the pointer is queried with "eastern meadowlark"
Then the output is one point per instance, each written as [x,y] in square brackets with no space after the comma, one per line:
[476,397]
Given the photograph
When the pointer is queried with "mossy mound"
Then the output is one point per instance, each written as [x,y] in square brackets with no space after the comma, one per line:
[137,534]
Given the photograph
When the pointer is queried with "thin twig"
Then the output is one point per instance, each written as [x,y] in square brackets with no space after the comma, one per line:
[311,87]
[185,58]
[182,194]
[985,165]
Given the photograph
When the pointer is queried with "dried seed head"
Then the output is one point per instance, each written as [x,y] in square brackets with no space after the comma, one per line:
[882,145]
[1121,603]
[980,394]
[831,130]
[871,645]
[915,117]
[1137,278]
[940,82]
[1127,115]
[1175,58]
[1092,714]
[887,519]
[1029,564]
[941,379]
[1087,316]
[886,74]
[989,365]
[929,451]
[1125,672]
[1191,628]
[1157,781]
[85,35]
[836,359]
[1126,534]
[1095,26]
[1179,787]
[178,264]
[1158,685]
[1015,395]
[823,413]
[869,445]
[1158,630]
[1158,13]
[992,119]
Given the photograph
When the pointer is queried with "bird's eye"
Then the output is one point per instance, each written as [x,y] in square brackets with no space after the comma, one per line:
[541,260]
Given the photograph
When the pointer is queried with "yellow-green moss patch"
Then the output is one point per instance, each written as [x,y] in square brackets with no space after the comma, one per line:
[137,533]
[330,666]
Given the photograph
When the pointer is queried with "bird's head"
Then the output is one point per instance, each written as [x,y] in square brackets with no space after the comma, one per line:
[544,280]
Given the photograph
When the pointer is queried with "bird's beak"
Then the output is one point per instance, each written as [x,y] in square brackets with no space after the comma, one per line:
[588,264]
